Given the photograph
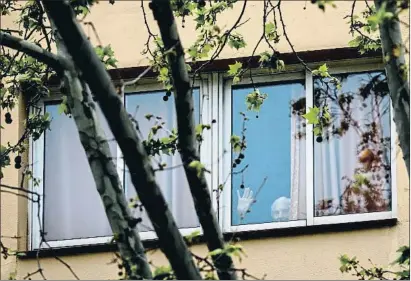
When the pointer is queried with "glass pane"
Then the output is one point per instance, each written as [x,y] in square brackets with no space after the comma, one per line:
[72,205]
[172,179]
[352,158]
[276,150]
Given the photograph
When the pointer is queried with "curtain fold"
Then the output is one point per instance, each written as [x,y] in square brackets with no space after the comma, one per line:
[298,166]
[72,206]
[172,180]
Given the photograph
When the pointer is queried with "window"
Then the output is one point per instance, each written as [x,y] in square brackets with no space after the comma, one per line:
[352,164]
[284,176]
[172,179]
[270,177]
[71,212]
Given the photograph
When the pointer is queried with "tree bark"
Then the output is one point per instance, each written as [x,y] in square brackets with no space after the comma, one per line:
[397,76]
[104,171]
[42,55]
[135,157]
[187,139]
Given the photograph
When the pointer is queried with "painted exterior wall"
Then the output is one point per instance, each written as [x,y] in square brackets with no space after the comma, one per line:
[311,256]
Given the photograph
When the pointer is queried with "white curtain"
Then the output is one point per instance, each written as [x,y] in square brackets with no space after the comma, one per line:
[172,180]
[336,161]
[298,169]
[72,205]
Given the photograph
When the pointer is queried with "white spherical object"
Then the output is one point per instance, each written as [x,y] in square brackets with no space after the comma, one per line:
[280,209]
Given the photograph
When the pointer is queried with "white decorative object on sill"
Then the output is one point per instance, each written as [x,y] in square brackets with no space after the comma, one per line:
[244,202]
[280,209]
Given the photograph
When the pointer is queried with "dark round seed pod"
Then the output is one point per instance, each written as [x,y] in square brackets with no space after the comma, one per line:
[7,116]
[17,159]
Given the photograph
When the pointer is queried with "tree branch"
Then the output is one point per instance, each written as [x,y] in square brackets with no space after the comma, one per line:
[10,41]
[103,169]
[135,157]
[397,77]
[187,139]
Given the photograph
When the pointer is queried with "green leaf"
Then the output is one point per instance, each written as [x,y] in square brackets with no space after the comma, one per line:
[236,79]
[162,270]
[312,115]
[235,143]
[236,41]
[255,100]
[269,28]
[326,114]
[193,235]
[322,71]
[164,71]
[216,252]
[234,68]
[317,131]
[264,57]
[62,108]
[198,166]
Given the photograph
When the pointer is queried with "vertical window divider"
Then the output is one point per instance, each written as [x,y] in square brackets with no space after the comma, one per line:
[309,150]
[206,156]
[225,152]
[213,90]
[36,209]
[393,154]
[121,168]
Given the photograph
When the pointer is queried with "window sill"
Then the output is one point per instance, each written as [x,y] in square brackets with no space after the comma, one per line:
[243,235]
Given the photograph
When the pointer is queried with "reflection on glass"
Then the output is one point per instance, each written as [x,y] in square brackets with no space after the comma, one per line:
[72,205]
[172,180]
[275,151]
[352,158]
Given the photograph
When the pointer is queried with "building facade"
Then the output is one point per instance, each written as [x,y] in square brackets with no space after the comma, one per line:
[304,215]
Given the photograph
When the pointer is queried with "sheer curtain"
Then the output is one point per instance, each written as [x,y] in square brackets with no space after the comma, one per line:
[336,161]
[72,205]
[298,172]
[172,180]
[298,162]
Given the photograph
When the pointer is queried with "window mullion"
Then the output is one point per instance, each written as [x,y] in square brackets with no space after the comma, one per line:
[36,209]
[225,153]
[309,151]
[120,161]
[393,160]
[206,117]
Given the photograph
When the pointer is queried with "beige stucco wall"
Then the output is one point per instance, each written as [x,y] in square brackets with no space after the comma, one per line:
[311,256]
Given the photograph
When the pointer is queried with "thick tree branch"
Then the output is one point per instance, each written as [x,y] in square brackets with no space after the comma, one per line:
[103,169]
[135,157]
[10,41]
[186,136]
[396,70]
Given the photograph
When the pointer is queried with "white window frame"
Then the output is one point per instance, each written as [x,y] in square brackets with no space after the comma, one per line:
[36,158]
[225,169]
[216,154]
[227,157]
